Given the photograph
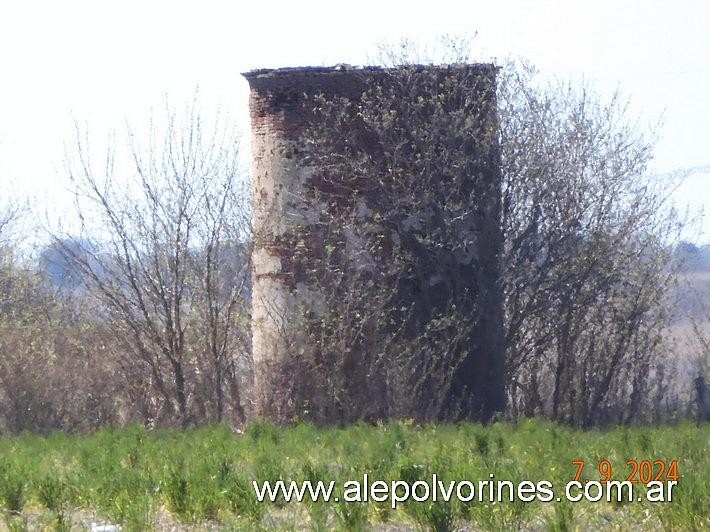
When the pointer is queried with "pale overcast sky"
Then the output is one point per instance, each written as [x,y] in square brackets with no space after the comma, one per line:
[108,61]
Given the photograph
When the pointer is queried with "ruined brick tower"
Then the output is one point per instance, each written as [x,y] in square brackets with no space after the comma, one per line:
[279,174]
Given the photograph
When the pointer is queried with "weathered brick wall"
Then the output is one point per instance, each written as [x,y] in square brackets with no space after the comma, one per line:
[278,120]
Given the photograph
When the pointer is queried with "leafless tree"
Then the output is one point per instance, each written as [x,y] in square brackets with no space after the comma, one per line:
[164,250]
[588,258]
[11,214]
[51,375]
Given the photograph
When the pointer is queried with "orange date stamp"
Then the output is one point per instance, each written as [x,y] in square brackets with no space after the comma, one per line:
[643,471]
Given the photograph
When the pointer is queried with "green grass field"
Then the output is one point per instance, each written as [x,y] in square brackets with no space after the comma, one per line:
[202,478]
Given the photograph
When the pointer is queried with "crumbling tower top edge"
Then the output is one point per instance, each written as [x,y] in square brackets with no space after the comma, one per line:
[317,71]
